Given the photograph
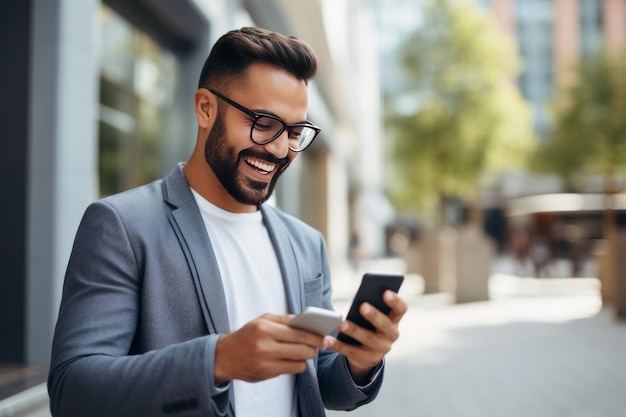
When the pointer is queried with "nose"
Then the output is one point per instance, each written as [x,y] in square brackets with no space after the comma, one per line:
[279,147]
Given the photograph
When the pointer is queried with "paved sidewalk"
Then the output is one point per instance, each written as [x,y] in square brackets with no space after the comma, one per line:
[538,348]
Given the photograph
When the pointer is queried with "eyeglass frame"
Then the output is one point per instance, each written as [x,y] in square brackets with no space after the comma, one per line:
[256,116]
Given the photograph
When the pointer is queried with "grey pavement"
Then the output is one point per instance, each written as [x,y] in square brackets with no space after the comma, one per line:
[539,347]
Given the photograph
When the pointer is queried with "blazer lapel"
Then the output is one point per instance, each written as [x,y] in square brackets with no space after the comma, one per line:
[309,397]
[187,222]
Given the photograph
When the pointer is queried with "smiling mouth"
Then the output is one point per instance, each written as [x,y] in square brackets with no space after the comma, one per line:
[260,166]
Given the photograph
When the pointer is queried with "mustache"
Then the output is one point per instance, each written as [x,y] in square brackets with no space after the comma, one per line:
[265,156]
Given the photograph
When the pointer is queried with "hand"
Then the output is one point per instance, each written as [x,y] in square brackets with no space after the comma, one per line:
[264,348]
[375,344]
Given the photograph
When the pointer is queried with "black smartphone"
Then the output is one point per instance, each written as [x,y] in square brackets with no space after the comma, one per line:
[373,285]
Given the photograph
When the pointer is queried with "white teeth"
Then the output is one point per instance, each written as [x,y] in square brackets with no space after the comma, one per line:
[260,165]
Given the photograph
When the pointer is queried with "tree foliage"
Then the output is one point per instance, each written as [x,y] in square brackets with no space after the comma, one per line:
[590,124]
[471,119]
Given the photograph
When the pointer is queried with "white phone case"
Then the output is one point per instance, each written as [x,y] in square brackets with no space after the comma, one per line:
[317,320]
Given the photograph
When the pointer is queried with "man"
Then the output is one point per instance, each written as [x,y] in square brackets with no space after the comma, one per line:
[178,294]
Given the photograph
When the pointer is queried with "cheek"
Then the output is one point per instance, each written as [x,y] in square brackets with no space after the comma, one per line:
[238,138]
[233,142]
[234,132]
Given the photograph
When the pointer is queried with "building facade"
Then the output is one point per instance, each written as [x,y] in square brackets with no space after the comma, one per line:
[551,35]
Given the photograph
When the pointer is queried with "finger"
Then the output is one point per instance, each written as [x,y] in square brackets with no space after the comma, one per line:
[386,331]
[284,333]
[295,351]
[359,356]
[376,318]
[278,318]
[398,306]
[304,337]
[371,340]
[275,347]
[259,371]
[328,342]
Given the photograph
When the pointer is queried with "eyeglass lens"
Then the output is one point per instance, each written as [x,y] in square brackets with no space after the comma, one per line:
[266,129]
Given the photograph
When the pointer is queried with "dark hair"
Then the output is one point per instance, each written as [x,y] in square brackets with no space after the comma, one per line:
[236,50]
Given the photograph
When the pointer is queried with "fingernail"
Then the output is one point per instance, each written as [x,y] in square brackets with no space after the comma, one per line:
[328,342]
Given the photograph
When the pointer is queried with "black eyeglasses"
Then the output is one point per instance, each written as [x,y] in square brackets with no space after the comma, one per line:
[267,127]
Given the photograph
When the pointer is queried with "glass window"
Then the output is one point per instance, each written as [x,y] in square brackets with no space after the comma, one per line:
[137,84]
[535,27]
[590,25]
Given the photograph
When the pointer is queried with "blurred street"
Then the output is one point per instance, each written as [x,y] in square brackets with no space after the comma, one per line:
[540,347]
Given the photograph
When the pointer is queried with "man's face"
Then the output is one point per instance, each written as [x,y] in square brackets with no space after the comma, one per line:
[245,170]
[229,167]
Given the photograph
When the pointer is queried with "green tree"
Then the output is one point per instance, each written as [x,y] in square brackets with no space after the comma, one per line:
[589,136]
[470,120]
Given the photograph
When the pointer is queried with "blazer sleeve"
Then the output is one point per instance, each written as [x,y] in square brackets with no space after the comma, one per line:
[339,392]
[93,372]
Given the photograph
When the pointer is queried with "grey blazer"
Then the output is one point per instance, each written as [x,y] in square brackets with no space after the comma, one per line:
[143,306]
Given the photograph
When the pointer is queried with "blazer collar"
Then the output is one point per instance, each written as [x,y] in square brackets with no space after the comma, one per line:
[176,190]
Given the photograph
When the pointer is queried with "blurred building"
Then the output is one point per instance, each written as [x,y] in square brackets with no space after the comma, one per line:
[551,35]
[98,98]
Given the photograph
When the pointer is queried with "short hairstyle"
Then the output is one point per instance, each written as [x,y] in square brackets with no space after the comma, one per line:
[236,50]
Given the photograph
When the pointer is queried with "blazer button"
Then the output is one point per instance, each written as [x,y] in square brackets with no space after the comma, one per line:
[176,407]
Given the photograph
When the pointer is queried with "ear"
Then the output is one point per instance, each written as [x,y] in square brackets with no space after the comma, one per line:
[205,105]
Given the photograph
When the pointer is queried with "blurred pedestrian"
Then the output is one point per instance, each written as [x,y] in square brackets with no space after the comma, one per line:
[540,255]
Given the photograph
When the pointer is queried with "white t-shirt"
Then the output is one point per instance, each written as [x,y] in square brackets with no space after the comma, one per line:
[253,286]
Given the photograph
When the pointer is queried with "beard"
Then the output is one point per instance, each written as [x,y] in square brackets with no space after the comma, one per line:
[225,164]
